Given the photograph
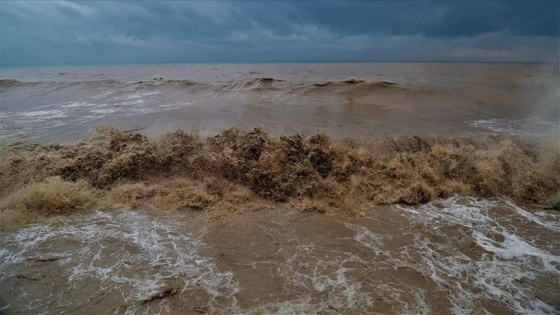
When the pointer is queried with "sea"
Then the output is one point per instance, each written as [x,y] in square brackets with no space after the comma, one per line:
[453,250]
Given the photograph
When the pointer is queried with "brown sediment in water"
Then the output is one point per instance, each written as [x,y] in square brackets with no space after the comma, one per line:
[241,169]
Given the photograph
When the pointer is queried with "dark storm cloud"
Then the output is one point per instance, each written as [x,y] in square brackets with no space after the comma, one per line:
[443,18]
[145,31]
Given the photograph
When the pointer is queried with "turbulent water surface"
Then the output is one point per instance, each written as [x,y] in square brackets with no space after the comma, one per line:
[54,104]
[460,255]
[486,130]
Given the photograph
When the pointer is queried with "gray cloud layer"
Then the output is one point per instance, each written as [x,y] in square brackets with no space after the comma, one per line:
[110,32]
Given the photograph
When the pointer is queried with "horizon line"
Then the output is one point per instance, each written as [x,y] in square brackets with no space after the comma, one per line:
[261,62]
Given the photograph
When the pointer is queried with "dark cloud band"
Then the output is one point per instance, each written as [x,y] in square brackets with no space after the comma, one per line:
[145,31]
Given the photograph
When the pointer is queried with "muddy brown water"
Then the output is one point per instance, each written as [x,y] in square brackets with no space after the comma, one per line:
[358,100]
[460,255]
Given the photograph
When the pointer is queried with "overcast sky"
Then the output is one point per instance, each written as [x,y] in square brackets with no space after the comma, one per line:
[65,32]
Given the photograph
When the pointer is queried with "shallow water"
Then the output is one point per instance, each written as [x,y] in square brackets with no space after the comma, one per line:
[459,255]
[122,262]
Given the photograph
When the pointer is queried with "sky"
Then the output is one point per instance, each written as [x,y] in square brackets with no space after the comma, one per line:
[98,32]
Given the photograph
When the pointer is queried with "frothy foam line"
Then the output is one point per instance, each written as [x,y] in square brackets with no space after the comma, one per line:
[518,127]
[131,102]
[329,276]
[141,95]
[508,268]
[127,252]
[77,104]
[550,224]
[44,114]
[513,247]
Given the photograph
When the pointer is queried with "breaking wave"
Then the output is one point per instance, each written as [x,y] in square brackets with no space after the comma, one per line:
[250,168]
[257,84]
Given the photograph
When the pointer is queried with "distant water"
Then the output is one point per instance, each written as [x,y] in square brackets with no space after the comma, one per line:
[65,103]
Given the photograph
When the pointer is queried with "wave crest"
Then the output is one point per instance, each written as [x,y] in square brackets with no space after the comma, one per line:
[315,173]
[8,82]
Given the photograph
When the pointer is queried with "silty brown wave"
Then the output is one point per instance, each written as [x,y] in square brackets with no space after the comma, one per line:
[251,168]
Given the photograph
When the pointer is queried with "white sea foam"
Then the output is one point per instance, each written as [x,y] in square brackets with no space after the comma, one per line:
[77,104]
[129,254]
[531,127]
[509,268]
[137,257]
[131,102]
[504,274]
[103,111]
[325,271]
[141,95]
[541,218]
[44,114]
